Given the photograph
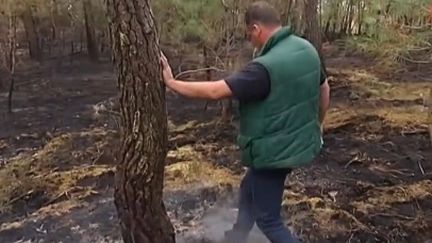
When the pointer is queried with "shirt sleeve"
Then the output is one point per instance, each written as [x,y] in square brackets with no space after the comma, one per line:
[252,83]
[323,75]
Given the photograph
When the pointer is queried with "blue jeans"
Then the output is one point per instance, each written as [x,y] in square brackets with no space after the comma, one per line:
[260,202]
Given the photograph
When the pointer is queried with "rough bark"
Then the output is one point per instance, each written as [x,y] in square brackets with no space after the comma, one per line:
[32,33]
[140,171]
[92,47]
[313,31]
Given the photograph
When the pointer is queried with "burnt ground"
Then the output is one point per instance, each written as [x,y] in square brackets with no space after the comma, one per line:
[372,182]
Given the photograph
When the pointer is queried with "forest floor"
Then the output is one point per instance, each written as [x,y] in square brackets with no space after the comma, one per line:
[372,182]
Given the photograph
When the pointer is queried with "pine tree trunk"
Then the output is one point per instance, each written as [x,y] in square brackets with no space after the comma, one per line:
[12,57]
[32,33]
[54,17]
[327,26]
[92,47]
[140,172]
[360,17]
[336,19]
[346,21]
[313,31]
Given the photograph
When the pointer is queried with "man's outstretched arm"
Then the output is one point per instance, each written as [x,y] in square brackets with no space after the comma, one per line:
[324,100]
[213,90]
[251,83]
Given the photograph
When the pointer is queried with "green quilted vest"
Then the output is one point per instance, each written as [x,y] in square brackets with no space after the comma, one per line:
[283,131]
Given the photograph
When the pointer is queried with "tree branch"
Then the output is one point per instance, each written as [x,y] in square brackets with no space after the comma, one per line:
[198,70]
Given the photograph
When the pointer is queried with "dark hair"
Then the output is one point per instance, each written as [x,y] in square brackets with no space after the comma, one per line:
[262,12]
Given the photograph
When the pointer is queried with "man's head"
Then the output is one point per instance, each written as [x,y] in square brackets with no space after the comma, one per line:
[262,20]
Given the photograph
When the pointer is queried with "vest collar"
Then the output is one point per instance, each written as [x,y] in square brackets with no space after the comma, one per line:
[281,34]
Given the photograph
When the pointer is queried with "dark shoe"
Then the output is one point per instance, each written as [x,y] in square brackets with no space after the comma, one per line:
[231,236]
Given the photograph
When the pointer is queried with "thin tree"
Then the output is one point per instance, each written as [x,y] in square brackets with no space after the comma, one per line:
[140,171]
[30,26]
[313,28]
[12,56]
[312,32]
[92,47]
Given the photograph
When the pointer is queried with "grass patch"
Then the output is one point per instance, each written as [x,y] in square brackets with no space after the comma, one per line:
[392,48]
[56,169]
[192,167]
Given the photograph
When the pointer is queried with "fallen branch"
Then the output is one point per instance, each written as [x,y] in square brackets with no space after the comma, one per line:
[421,167]
[413,27]
[359,158]
[414,61]
[393,216]
[414,132]
[419,49]
[18,198]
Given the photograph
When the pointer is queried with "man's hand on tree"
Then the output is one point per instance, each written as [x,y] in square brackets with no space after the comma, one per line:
[166,70]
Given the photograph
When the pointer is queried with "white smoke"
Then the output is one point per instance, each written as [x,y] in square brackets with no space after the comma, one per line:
[213,225]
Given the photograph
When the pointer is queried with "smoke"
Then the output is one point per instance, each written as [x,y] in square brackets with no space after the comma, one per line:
[212,226]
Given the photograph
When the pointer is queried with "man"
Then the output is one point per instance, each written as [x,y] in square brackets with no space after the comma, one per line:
[280,117]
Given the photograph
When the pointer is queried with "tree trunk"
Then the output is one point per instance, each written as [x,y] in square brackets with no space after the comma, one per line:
[54,17]
[336,18]
[12,57]
[92,47]
[327,26]
[32,33]
[350,19]
[347,18]
[313,32]
[361,10]
[140,172]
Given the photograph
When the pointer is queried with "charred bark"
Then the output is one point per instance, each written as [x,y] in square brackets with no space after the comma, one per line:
[140,171]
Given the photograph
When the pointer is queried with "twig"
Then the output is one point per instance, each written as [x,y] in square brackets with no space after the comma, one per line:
[351,237]
[198,70]
[414,132]
[56,198]
[414,61]
[19,198]
[225,5]
[31,82]
[421,167]
[420,49]
[425,27]
[356,159]
[393,216]
[355,220]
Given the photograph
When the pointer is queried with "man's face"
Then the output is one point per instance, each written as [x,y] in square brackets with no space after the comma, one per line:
[253,33]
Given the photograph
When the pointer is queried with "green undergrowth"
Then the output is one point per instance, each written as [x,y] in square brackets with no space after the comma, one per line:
[393,49]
